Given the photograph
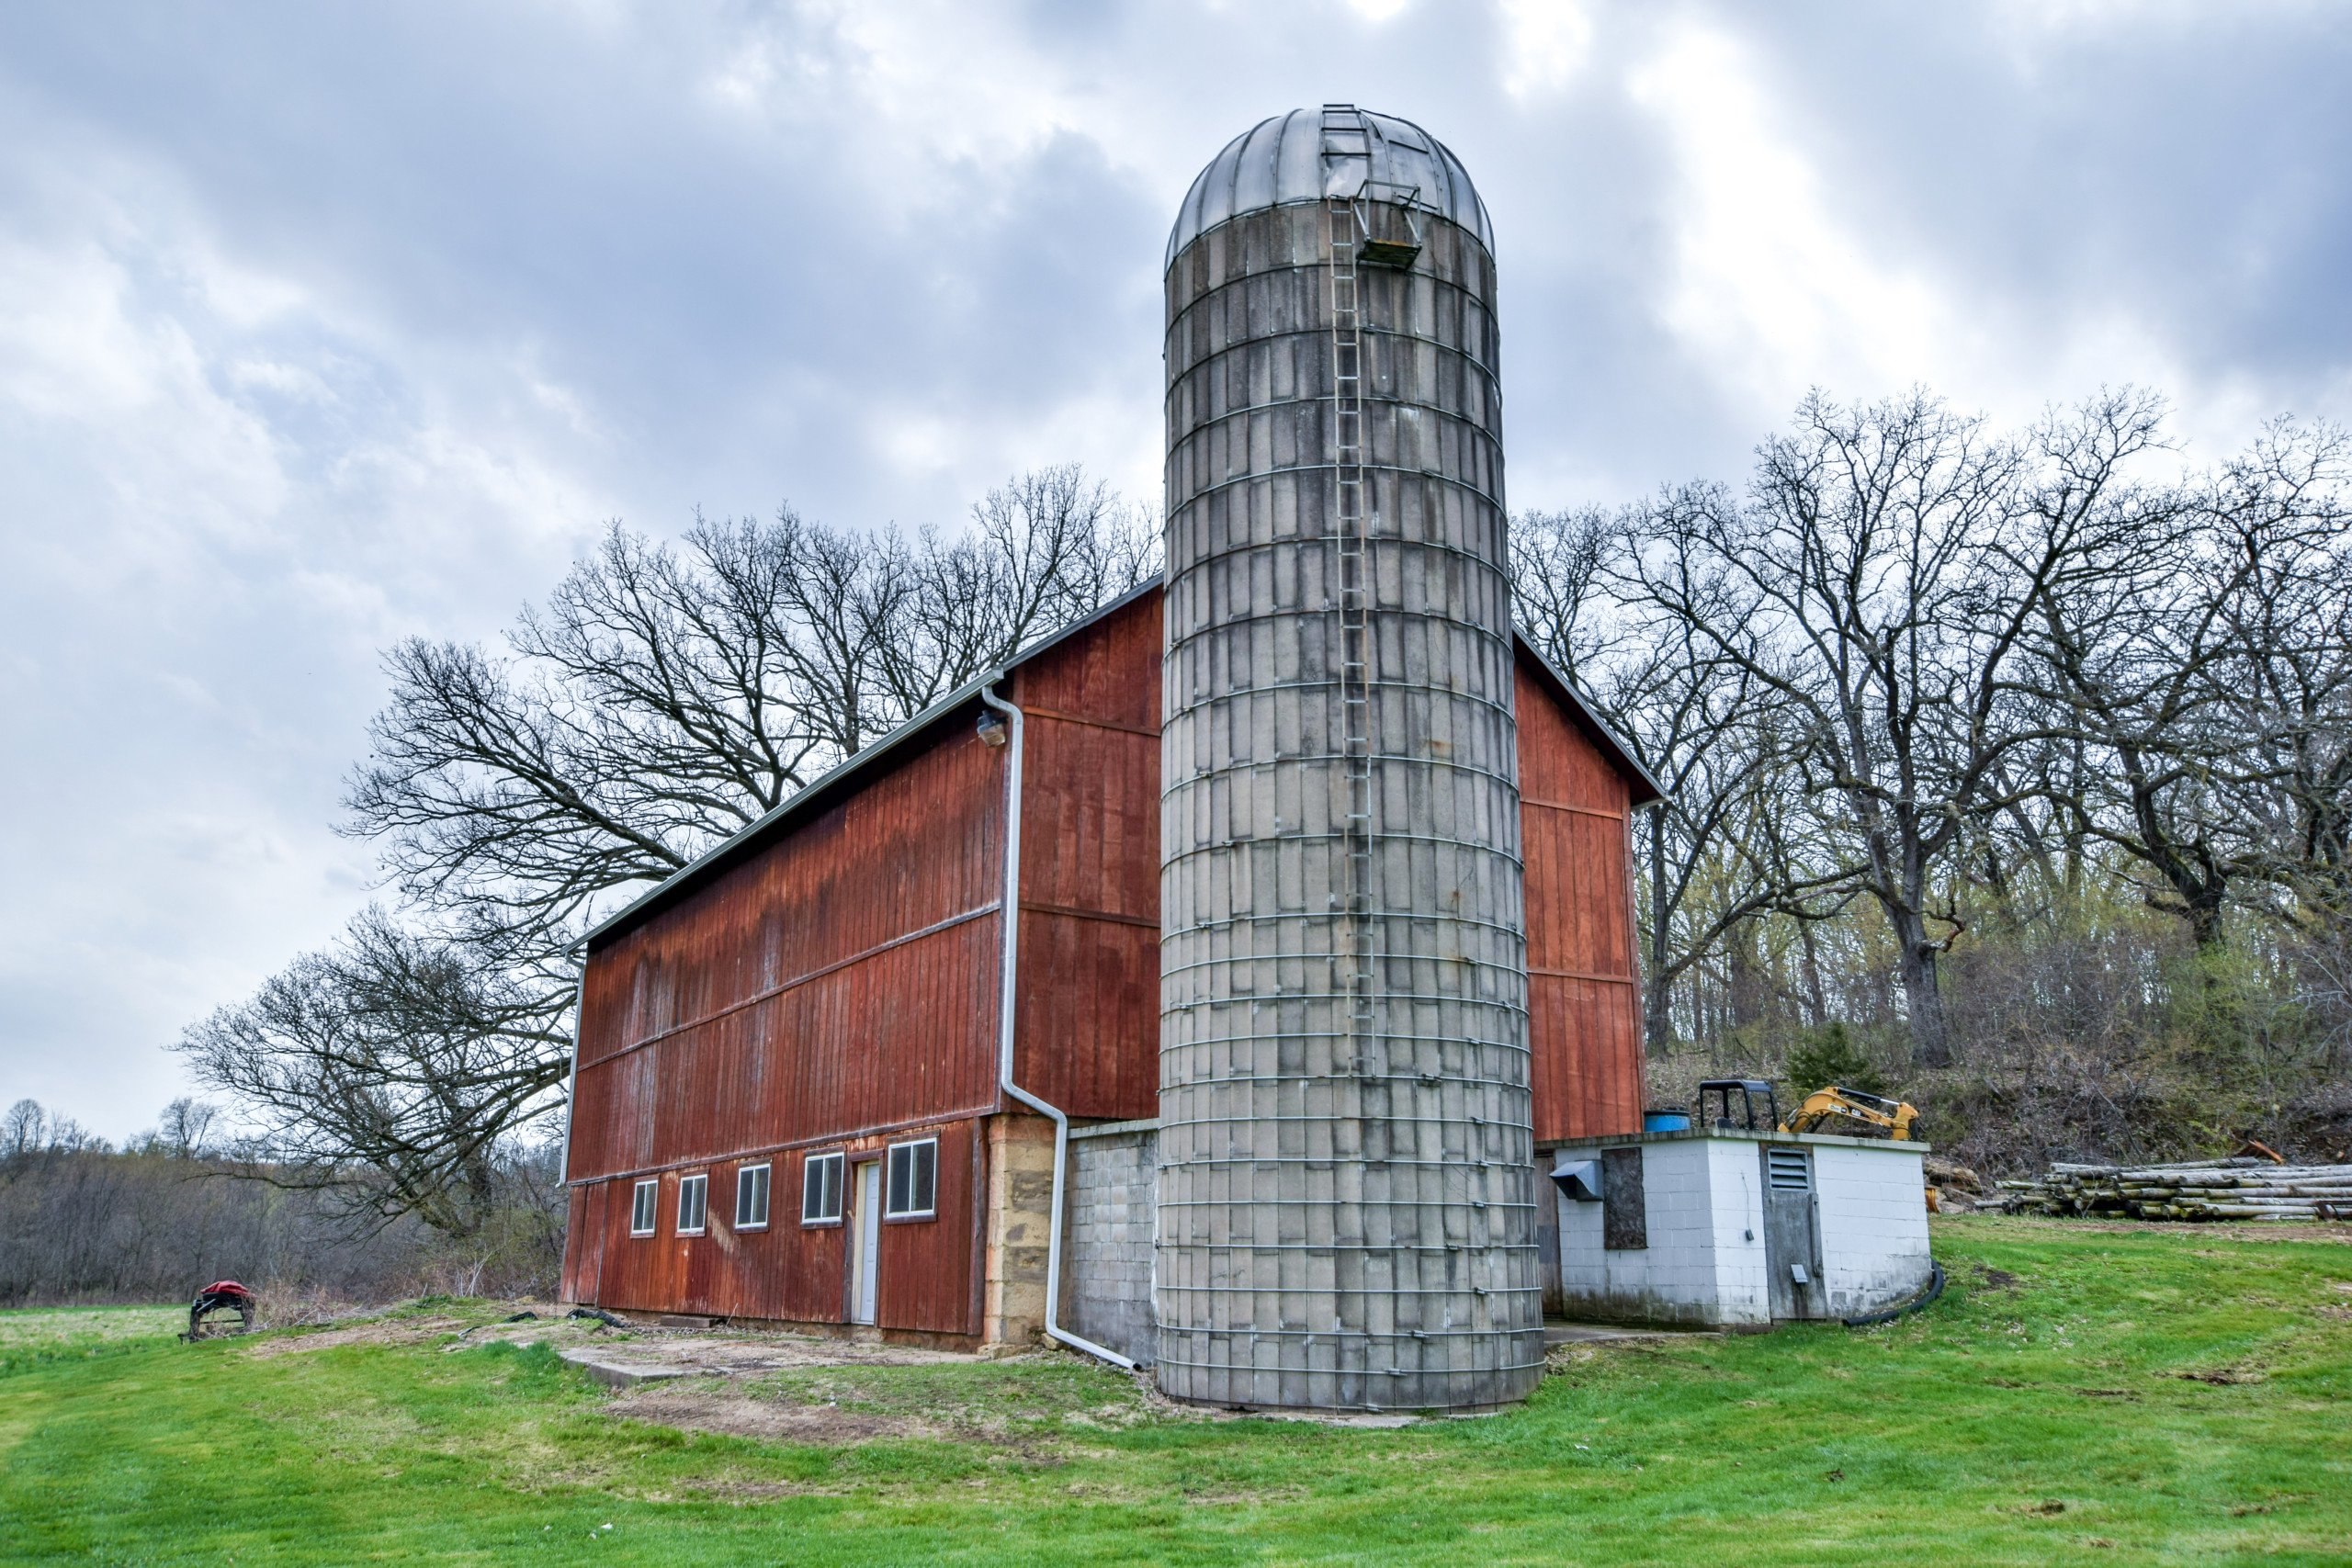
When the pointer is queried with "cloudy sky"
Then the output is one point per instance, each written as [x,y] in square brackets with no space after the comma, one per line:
[323,325]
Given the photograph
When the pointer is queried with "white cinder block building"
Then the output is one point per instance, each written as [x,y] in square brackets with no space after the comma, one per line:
[1731,1229]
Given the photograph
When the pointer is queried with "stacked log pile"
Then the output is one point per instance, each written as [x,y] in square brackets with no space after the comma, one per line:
[2240,1188]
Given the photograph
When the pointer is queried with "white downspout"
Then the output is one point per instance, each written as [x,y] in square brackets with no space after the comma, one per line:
[1008,986]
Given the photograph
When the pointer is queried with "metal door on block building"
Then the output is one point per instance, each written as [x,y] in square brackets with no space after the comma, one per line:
[865,1248]
[1791,1232]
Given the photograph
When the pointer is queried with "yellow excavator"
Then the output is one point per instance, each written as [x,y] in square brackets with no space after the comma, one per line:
[1835,1110]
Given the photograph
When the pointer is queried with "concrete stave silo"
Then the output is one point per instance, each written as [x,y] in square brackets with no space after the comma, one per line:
[1346,1192]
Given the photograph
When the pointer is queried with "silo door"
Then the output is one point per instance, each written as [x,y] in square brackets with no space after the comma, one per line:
[1791,1233]
[865,1243]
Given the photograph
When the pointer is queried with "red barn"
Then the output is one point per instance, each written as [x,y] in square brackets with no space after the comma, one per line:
[787,1103]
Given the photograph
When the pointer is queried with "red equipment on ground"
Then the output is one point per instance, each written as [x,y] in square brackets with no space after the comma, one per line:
[220,1297]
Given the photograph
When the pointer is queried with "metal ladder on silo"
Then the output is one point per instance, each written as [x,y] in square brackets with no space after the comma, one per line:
[1347,136]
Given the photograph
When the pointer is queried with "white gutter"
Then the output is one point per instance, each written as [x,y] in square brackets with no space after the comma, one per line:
[1007,988]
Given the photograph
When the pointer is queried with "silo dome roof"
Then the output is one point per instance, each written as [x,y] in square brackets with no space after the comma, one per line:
[1280,163]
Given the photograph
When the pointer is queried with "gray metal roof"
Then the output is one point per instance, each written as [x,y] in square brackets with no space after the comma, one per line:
[1280,163]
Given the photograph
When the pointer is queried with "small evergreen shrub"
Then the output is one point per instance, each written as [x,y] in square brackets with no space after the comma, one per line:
[1828,1056]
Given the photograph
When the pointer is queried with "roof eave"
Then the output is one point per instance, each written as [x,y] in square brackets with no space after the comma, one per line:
[1609,740]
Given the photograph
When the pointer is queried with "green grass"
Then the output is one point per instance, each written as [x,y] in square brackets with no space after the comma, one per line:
[52,1334]
[2082,1394]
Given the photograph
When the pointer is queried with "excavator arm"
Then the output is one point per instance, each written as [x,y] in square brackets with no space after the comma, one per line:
[1844,1110]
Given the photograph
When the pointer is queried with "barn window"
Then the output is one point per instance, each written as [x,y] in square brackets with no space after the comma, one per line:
[640,1215]
[820,1189]
[914,1181]
[751,1197]
[694,1198]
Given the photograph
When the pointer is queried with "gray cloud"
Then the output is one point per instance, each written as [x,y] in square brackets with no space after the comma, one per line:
[318,327]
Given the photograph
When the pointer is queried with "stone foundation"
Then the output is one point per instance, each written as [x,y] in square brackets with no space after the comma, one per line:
[1019,1213]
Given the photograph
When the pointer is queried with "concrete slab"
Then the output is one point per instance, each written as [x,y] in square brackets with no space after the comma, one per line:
[1365,1420]
[602,1367]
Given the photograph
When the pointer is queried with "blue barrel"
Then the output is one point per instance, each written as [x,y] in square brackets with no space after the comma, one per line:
[1665,1118]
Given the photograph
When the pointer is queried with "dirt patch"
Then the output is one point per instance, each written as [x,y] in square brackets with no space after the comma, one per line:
[2223,1376]
[737,1355]
[1995,1279]
[377,1331]
[771,1419]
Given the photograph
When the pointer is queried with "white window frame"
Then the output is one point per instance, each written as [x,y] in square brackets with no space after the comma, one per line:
[890,1211]
[811,1169]
[650,1209]
[699,1185]
[767,1195]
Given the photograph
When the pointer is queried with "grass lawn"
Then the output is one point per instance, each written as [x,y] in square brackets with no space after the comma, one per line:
[2083,1393]
[51,1334]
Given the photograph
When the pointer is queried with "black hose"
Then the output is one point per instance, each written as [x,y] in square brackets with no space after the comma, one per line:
[1919,1303]
[599,1314]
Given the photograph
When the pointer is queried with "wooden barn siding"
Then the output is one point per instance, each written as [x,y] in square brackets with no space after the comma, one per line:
[1583,980]
[927,1283]
[844,982]
[840,983]
[1090,1021]
[1088,1037]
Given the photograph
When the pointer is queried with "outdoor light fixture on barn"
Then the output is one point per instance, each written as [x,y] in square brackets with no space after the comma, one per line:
[1348,1202]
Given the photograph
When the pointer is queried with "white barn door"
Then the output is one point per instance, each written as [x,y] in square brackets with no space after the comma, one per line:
[865,1251]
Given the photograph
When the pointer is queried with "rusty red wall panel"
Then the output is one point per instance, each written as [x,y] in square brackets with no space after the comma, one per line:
[842,982]
[580,1266]
[926,1278]
[793,1272]
[1583,981]
[1088,1034]
[843,978]
[1109,672]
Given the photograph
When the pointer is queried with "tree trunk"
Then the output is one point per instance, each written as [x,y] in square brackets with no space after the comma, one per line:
[1930,1028]
[2205,916]
[1746,975]
[1657,1004]
[1817,994]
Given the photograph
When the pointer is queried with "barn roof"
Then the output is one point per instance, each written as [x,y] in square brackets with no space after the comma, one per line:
[851,774]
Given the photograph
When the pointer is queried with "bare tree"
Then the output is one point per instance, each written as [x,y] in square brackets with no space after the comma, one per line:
[22,1130]
[387,1069]
[1715,852]
[2125,643]
[665,698]
[662,699]
[185,1130]
[2285,687]
[1560,584]
[1870,579]
[2191,645]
